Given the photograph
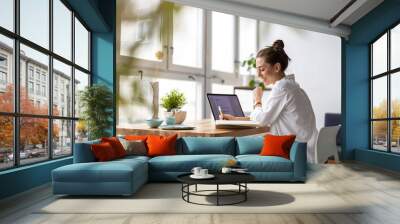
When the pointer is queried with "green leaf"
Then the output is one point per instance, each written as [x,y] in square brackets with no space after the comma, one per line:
[173,100]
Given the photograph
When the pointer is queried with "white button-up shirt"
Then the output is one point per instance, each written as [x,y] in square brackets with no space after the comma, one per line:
[288,111]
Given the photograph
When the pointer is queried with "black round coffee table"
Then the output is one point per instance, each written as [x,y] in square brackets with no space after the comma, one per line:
[238,179]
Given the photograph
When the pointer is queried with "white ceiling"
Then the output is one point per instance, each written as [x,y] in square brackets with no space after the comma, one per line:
[312,15]
[319,9]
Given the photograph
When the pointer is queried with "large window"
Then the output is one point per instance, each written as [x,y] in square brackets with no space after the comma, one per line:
[40,80]
[385,92]
[182,47]
[222,42]
[187,36]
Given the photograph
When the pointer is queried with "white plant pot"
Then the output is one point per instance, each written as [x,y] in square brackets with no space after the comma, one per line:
[180,116]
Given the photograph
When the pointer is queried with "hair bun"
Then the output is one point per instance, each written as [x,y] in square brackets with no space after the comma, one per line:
[278,44]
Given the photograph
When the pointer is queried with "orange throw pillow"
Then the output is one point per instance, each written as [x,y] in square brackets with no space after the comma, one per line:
[277,145]
[136,137]
[161,145]
[103,152]
[116,145]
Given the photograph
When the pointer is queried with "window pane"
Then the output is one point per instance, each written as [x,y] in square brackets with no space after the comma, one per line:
[247,42]
[6,74]
[395,136]
[379,98]
[379,135]
[192,92]
[81,131]
[33,139]
[34,72]
[62,29]
[81,45]
[62,138]
[395,95]
[141,36]
[222,42]
[379,55]
[81,81]
[6,142]
[7,14]
[62,89]
[187,36]
[221,88]
[395,47]
[35,21]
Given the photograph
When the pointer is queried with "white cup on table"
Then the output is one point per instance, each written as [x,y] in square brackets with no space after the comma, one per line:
[196,171]
[203,172]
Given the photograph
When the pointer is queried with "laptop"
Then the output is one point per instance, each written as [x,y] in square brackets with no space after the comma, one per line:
[228,104]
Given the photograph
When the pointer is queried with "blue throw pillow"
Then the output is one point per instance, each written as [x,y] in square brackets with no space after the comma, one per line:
[249,145]
[207,145]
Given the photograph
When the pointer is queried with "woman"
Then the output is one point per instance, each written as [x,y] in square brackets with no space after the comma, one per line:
[288,110]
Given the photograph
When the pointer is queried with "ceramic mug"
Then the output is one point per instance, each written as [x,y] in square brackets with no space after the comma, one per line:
[203,172]
[196,171]
[226,170]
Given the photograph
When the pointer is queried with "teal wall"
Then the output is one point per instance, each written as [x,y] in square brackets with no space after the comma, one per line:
[24,178]
[99,16]
[103,52]
[356,85]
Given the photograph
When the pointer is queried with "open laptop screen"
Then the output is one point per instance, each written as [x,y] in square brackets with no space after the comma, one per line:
[229,104]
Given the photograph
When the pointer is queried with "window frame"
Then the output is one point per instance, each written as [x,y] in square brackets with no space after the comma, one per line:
[16,115]
[165,66]
[388,74]
[181,68]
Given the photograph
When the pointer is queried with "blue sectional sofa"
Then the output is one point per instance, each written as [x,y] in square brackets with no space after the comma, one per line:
[125,176]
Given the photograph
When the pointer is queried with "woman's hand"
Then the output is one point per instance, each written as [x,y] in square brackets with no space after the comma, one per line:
[257,95]
[231,117]
[227,117]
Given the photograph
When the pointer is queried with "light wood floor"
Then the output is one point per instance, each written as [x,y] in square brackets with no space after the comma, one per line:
[377,188]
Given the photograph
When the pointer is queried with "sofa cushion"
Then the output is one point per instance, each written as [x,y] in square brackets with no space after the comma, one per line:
[161,145]
[134,147]
[257,163]
[103,152]
[112,171]
[83,152]
[207,145]
[116,145]
[185,163]
[277,145]
[249,145]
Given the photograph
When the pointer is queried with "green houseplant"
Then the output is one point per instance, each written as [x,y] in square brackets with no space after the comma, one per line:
[173,102]
[96,104]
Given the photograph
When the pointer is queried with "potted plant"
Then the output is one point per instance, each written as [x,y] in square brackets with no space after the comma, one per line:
[96,104]
[173,102]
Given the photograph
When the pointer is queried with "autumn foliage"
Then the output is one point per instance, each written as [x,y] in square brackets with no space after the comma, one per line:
[380,127]
[33,130]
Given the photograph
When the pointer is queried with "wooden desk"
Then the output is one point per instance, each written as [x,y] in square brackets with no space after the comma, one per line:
[203,128]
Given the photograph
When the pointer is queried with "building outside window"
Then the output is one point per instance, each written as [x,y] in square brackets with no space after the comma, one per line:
[3,78]
[37,74]
[38,89]
[3,61]
[34,82]
[3,72]
[43,90]
[30,87]
[43,77]
[30,72]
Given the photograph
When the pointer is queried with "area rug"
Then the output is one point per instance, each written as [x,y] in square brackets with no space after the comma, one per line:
[166,198]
